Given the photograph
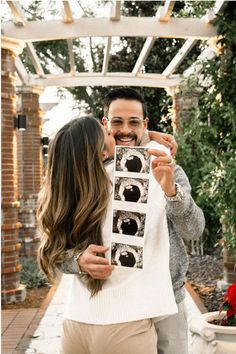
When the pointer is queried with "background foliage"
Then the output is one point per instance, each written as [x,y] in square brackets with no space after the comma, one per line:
[207,148]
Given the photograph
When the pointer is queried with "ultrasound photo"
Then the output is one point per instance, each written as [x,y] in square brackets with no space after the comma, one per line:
[129,159]
[131,189]
[126,255]
[128,223]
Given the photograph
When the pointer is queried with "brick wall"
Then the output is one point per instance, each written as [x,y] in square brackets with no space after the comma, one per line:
[29,170]
[12,290]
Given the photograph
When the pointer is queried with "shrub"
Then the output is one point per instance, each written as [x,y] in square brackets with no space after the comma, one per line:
[30,274]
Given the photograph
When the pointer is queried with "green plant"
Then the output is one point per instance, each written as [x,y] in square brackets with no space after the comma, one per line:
[30,274]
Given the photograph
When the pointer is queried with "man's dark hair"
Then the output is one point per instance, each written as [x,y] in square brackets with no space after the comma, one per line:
[126,93]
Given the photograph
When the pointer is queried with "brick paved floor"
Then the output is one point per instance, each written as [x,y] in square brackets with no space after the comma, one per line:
[16,326]
[19,325]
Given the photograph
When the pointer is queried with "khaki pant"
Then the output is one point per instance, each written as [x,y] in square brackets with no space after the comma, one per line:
[173,333]
[137,337]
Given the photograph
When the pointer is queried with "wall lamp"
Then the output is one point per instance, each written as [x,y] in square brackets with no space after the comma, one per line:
[20,122]
[45,151]
[45,141]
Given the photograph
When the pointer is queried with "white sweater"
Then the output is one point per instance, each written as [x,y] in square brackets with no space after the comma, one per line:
[131,294]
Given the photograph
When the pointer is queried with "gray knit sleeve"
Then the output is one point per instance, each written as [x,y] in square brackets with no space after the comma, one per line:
[68,264]
[187,218]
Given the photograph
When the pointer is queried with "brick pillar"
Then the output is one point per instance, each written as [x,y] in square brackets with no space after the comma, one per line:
[12,290]
[183,105]
[30,170]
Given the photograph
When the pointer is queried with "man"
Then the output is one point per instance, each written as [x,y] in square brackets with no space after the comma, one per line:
[125,118]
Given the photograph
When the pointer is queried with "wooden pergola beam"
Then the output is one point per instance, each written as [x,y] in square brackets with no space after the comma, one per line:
[17,13]
[218,8]
[143,54]
[21,21]
[106,56]
[98,79]
[71,56]
[196,67]
[179,57]
[164,12]
[68,18]
[115,11]
[102,27]
[67,12]
[21,71]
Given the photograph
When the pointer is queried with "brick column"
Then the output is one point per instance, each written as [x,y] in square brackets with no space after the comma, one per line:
[183,105]
[30,170]
[12,290]
[175,119]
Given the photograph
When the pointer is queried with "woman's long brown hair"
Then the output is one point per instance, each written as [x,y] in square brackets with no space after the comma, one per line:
[73,201]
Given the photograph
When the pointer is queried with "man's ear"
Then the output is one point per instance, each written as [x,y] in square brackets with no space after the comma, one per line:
[104,121]
[146,120]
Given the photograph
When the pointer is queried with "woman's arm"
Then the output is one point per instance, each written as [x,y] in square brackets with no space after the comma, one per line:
[164,139]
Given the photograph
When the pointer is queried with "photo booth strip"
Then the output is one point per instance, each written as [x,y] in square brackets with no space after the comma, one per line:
[129,205]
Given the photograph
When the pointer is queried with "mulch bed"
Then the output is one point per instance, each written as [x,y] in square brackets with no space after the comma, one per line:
[203,274]
[34,299]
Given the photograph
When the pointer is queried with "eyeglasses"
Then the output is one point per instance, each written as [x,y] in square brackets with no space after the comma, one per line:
[133,123]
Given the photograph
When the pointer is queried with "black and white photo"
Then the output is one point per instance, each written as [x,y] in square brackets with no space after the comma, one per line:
[131,159]
[131,189]
[128,223]
[126,255]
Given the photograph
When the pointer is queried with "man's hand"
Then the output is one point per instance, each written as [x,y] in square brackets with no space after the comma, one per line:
[165,139]
[163,168]
[97,267]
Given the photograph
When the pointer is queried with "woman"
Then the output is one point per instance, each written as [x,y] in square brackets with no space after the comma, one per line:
[114,315]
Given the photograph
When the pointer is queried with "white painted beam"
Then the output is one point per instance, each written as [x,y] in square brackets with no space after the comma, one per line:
[21,21]
[196,67]
[17,13]
[67,12]
[103,27]
[211,13]
[219,6]
[179,57]
[111,79]
[164,12]
[143,54]
[115,11]
[106,56]
[71,56]
[20,69]
[34,59]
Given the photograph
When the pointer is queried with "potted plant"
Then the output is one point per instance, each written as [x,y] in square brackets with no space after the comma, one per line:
[215,332]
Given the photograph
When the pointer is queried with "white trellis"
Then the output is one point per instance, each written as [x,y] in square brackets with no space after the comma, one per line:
[163,25]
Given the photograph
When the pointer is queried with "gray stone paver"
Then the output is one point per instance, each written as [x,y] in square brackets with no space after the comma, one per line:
[47,336]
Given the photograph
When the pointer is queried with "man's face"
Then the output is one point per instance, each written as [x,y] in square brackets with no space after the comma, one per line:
[126,122]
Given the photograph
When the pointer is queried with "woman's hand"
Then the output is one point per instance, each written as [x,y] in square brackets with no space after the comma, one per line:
[97,267]
[165,139]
